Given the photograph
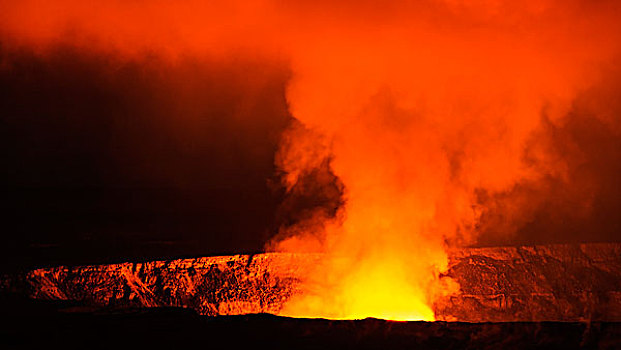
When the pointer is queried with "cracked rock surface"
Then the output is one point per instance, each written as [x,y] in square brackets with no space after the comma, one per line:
[500,284]
[540,283]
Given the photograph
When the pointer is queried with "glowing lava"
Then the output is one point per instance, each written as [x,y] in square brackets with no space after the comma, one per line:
[420,108]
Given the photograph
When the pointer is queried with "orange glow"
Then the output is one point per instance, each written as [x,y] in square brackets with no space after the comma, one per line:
[418,106]
[420,112]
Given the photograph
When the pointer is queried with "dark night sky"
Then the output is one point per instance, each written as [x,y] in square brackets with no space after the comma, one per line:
[108,160]
[112,160]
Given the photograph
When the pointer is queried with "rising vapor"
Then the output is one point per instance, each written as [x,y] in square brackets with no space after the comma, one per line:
[439,120]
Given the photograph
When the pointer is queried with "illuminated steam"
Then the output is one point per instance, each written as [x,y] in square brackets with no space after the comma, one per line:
[432,115]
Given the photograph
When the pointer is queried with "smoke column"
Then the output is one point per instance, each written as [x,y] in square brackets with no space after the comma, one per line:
[420,109]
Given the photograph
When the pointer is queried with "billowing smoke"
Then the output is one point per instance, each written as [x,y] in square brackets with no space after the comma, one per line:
[440,122]
[420,125]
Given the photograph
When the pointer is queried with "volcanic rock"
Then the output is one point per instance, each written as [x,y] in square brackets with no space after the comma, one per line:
[501,284]
[540,283]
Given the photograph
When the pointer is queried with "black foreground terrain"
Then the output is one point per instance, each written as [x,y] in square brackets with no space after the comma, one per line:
[39,324]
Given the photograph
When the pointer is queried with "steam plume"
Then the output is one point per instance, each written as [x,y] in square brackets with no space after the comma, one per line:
[430,114]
